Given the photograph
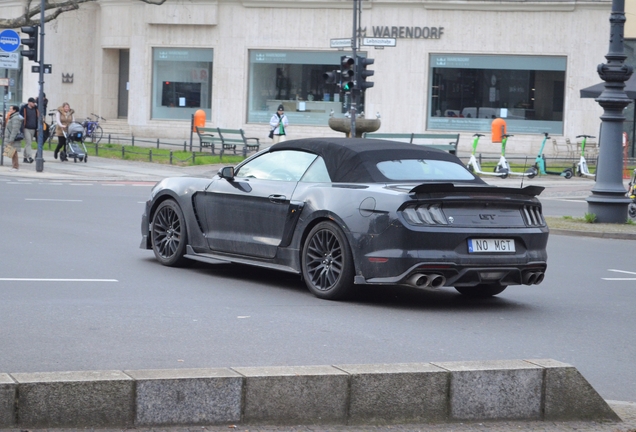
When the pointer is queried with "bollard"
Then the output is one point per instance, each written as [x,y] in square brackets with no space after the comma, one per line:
[185,146]
[150,155]
[170,157]
[123,151]
[193,158]
[157,143]
[108,138]
[132,138]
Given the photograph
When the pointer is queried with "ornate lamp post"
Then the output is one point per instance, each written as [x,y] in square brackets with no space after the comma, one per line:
[608,201]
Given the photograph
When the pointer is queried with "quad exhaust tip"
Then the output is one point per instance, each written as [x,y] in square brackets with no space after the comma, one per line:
[421,280]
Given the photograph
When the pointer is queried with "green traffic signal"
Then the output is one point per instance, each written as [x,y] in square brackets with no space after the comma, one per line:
[347,65]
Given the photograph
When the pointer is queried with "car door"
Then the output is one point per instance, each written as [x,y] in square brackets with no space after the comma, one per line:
[246,215]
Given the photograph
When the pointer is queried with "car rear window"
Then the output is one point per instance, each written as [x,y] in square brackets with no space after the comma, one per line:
[423,170]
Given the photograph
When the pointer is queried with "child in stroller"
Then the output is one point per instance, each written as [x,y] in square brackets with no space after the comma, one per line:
[75,147]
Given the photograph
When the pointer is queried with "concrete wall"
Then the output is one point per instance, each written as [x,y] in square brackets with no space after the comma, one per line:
[341,394]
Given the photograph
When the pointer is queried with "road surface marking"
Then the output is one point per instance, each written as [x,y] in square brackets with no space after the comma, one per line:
[51,199]
[621,279]
[54,280]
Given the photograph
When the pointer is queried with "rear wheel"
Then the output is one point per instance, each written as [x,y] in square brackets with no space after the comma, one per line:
[96,134]
[568,173]
[481,290]
[168,235]
[327,263]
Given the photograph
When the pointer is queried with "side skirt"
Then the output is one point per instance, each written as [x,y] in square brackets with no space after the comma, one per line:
[211,258]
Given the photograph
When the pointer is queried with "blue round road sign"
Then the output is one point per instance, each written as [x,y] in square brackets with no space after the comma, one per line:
[9,40]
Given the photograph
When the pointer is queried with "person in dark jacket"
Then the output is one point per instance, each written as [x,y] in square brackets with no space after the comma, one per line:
[30,113]
[14,124]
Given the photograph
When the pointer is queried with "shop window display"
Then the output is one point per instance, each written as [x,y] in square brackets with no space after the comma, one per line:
[295,80]
[468,91]
[182,81]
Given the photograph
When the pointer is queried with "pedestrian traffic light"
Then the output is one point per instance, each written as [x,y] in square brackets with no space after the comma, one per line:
[332,77]
[363,73]
[31,43]
[347,66]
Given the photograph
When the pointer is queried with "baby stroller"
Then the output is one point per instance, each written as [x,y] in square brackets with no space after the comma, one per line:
[75,147]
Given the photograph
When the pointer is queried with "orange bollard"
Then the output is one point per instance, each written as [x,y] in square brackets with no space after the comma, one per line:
[199,120]
[498,129]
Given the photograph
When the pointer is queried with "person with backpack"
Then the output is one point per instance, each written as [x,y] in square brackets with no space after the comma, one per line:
[30,114]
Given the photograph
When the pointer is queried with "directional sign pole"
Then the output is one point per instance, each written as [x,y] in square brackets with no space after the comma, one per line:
[39,160]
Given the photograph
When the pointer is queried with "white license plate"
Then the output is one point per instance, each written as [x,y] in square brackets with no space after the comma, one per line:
[491,245]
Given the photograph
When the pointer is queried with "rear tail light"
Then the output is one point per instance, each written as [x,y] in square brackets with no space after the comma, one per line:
[532,216]
[425,214]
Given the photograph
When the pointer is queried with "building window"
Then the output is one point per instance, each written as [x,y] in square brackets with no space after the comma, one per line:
[181,82]
[468,91]
[295,80]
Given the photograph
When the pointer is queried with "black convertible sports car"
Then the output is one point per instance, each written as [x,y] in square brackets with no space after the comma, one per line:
[342,212]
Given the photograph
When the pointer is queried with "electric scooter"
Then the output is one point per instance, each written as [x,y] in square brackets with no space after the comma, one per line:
[581,167]
[631,209]
[504,165]
[473,165]
[540,165]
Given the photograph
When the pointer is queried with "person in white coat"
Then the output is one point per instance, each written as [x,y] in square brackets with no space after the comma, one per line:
[279,125]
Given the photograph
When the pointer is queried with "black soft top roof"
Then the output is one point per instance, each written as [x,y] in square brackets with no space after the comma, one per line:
[354,159]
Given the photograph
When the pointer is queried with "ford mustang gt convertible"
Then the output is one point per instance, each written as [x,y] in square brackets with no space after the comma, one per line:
[343,213]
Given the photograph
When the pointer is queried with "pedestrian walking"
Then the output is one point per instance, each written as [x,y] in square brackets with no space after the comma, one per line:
[31,114]
[13,136]
[279,124]
[63,117]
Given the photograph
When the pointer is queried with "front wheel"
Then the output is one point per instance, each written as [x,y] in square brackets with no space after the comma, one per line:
[168,234]
[327,263]
[568,173]
[531,172]
[481,290]
[631,211]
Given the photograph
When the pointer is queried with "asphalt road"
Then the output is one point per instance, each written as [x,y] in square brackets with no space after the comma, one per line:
[76,293]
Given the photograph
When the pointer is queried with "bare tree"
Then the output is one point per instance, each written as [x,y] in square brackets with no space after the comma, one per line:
[53,8]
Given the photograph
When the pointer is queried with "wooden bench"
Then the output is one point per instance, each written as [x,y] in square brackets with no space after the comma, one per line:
[227,139]
[230,138]
[446,142]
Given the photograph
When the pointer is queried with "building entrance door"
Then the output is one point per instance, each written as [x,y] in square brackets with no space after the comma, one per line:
[122,98]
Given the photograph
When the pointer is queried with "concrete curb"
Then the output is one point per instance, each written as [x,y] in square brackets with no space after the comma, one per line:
[597,234]
[543,390]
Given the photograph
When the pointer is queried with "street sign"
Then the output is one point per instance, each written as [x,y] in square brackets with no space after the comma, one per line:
[382,42]
[4,82]
[340,43]
[9,60]
[9,40]
[47,69]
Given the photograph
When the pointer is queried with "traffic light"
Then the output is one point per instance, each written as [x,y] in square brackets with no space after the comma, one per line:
[347,73]
[363,73]
[31,43]
[332,77]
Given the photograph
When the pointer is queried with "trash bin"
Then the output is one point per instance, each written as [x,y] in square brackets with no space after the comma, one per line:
[198,120]
[498,129]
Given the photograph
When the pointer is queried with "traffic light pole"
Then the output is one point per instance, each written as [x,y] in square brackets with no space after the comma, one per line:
[354,48]
[39,160]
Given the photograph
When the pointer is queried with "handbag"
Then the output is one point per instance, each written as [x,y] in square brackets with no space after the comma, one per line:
[19,137]
[9,151]
[271,134]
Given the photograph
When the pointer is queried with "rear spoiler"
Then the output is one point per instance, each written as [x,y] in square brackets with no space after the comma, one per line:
[450,187]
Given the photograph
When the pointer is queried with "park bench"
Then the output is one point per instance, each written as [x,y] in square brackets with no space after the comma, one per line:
[446,142]
[227,139]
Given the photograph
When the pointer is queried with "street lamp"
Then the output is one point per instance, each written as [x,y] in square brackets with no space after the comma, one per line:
[608,201]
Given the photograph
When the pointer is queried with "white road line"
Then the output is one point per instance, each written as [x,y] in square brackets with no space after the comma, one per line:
[52,199]
[113,184]
[80,184]
[54,280]
[621,271]
[620,279]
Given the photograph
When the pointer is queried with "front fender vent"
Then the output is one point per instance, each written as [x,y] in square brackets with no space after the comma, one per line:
[533,216]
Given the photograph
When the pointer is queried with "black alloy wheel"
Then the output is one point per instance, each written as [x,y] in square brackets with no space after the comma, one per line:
[168,234]
[327,263]
[482,290]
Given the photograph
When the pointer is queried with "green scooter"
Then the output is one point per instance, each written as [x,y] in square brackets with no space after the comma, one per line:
[540,164]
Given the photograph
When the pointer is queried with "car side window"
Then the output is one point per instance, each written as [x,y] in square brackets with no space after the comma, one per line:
[317,172]
[282,165]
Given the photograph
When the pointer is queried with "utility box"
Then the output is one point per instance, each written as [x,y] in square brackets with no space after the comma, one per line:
[498,129]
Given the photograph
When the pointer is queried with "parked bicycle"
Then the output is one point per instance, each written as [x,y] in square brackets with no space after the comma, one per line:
[92,130]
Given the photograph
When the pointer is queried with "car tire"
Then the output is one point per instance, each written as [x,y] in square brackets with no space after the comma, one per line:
[327,262]
[169,235]
[482,290]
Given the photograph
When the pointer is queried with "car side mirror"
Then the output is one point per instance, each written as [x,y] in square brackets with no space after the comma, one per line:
[227,173]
